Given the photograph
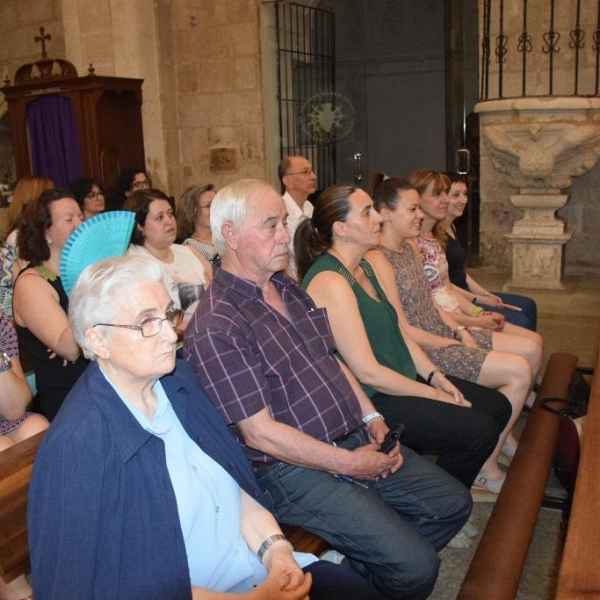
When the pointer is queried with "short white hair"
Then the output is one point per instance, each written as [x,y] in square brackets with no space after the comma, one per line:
[102,290]
[231,205]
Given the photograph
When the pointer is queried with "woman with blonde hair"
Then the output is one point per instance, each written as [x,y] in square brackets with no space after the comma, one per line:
[193,219]
[432,188]
[28,188]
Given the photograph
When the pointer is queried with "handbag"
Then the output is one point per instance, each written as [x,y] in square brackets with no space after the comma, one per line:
[572,411]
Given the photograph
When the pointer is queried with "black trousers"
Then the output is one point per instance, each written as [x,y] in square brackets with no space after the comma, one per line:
[463,438]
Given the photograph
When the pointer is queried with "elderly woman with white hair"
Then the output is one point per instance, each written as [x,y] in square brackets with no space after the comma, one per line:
[138,489]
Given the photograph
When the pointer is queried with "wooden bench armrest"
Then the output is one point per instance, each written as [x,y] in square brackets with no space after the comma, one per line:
[16,464]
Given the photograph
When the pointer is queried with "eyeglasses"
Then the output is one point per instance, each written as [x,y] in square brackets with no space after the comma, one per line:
[304,172]
[139,185]
[94,195]
[150,327]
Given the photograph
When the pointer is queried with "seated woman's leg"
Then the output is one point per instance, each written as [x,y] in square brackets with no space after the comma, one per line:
[463,438]
[30,426]
[523,342]
[511,375]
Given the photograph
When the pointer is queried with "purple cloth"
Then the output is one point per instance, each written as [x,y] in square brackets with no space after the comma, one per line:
[248,356]
[8,336]
[54,135]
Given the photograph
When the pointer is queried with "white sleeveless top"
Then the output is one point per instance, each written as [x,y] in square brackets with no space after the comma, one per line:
[186,275]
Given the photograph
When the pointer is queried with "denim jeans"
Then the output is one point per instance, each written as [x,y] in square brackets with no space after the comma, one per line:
[526,318]
[390,532]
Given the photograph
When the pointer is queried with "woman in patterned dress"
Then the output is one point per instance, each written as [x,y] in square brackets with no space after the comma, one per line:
[15,424]
[450,346]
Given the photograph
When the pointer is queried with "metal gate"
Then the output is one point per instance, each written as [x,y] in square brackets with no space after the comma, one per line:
[309,117]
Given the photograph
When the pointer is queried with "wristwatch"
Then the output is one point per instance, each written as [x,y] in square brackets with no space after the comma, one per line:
[458,332]
[6,363]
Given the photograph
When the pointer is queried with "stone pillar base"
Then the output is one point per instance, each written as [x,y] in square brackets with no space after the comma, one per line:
[537,261]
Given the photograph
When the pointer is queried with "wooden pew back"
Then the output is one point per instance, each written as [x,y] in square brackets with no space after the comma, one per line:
[497,565]
[579,575]
[16,464]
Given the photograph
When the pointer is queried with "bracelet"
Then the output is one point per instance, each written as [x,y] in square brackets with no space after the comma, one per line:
[432,375]
[269,542]
[457,332]
[476,311]
[6,362]
[374,415]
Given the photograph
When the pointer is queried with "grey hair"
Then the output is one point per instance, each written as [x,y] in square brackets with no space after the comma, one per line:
[101,289]
[231,205]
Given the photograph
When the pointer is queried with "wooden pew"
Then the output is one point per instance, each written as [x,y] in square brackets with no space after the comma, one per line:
[497,565]
[579,575]
[16,464]
[303,541]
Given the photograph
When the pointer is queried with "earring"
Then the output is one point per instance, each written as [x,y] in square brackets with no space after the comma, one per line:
[345,241]
[49,241]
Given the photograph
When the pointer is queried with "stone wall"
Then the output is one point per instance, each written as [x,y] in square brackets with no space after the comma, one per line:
[582,213]
[200,61]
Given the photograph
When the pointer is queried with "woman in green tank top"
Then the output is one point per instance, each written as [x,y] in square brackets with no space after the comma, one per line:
[395,373]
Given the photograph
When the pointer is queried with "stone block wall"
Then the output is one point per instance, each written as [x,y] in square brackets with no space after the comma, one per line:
[200,61]
[582,212]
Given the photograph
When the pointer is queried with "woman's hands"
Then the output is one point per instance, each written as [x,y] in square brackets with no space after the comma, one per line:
[447,391]
[285,579]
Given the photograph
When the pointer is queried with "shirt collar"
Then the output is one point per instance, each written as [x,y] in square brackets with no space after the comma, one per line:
[248,288]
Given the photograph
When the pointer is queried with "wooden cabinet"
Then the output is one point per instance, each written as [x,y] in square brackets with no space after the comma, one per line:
[108,113]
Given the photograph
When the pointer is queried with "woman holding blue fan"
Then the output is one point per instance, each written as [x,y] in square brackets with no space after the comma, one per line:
[40,303]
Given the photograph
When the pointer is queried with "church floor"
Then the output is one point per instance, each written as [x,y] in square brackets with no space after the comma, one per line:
[569,321]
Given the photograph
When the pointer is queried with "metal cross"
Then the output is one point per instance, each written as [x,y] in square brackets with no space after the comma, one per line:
[42,38]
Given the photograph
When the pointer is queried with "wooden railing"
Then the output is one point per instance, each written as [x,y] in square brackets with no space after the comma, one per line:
[496,568]
[579,575]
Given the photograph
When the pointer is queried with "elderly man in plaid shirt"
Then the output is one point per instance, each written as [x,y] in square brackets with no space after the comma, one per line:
[266,358]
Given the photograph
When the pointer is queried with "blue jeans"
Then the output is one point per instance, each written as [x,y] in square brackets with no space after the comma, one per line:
[526,318]
[390,532]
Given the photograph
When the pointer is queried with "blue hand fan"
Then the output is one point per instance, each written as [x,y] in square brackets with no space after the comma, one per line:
[101,236]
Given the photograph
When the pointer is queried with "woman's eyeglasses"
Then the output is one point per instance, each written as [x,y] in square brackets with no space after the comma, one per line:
[150,327]
[94,195]
[141,185]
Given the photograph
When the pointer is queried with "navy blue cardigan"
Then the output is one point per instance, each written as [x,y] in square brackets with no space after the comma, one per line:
[102,514]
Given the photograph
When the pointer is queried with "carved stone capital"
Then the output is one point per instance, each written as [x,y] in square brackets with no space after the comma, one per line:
[541,143]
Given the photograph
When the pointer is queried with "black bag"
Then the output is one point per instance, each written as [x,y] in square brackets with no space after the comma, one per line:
[572,411]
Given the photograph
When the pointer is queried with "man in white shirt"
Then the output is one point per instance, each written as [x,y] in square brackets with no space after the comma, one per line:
[299,180]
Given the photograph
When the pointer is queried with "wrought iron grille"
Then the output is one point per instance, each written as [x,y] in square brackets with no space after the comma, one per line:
[306,86]
[540,48]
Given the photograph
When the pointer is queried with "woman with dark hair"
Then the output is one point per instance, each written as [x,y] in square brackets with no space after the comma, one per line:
[193,219]
[456,256]
[89,195]
[402,382]
[129,181]
[40,302]
[154,235]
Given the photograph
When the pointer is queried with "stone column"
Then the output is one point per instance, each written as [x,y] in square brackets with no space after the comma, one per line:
[540,144]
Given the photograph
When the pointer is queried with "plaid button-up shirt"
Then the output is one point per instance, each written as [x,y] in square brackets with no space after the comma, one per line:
[248,357]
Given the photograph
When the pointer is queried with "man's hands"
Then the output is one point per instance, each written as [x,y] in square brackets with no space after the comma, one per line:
[366,462]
